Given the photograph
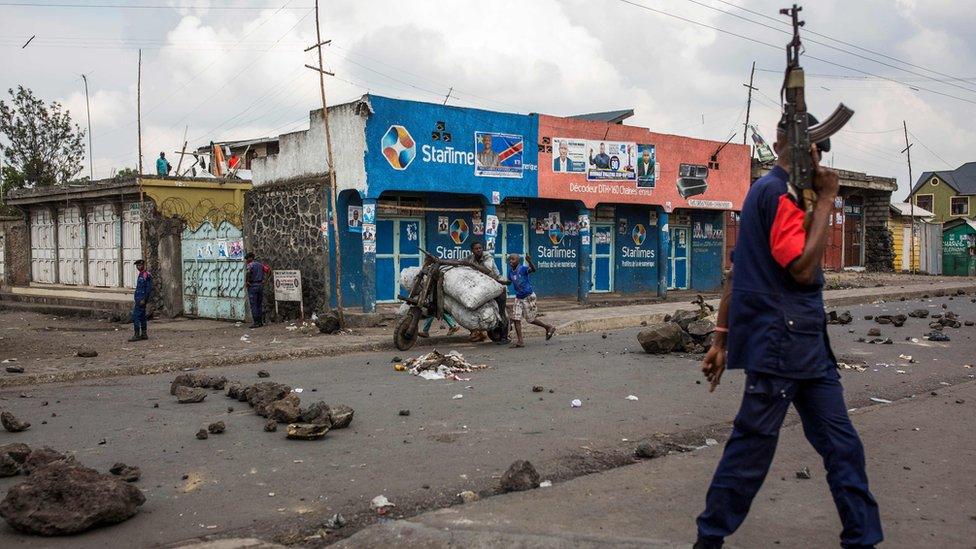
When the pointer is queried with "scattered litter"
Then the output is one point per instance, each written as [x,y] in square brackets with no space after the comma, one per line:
[935,335]
[245,338]
[711,442]
[803,474]
[537,388]
[848,366]
[271,494]
[380,503]
[435,365]
[335,522]
[576,403]
[404,412]
[631,397]
[399,367]
[908,358]
[8,360]
[967,365]
[900,372]
[545,484]
[297,390]
[457,397]
[880,400]
[291,328]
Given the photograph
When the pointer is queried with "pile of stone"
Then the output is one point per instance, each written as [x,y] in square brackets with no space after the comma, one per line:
[60,496]
[686,331]
[279,404]
[191,387]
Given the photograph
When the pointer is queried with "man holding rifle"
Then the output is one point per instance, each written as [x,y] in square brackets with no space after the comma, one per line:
[771,323]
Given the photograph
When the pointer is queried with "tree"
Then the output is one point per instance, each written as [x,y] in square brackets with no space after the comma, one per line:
[42,144]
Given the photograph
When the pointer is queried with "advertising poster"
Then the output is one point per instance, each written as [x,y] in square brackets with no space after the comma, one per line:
[652,219]
[496,197]
[491,226]
[369,233]
[554,219]
[222,250]
[497,155]
[611,161]
[568,155]
[622,226]
[355,219]
[369,213]
[287,285]
[443,225]
[584,223]
[477,226]
[646,166]
[763,151]
[369,247]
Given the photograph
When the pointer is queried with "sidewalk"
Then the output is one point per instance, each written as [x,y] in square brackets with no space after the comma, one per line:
[46,346]
[920,460]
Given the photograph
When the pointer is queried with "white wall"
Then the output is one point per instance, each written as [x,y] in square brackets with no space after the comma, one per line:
[304,152]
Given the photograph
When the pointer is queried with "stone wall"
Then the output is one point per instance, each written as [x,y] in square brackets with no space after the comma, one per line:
[879,248]
[282,226]
[17,252]
[164,261]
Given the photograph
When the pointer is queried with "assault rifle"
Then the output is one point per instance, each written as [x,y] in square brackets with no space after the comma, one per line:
[800,134]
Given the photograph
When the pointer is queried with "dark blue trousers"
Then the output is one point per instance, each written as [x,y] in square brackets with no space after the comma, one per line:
[749,453]
[256,297]
[139,323]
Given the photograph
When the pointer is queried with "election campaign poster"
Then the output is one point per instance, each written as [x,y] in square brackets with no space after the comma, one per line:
[611,161]
[568,155]
[646,166]
[498,154]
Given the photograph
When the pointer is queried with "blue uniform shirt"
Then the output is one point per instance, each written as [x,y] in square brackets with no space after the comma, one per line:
[520,281]
[776,325]
[256,272]
[143,286]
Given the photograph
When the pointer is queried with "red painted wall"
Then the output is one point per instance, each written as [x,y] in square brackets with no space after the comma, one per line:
[727,184]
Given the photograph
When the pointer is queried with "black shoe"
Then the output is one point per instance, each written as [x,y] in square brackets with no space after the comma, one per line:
[135,337]
[255,325]
[705,543]
[144,336]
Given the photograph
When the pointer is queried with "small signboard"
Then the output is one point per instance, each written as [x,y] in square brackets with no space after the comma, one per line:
[288,287]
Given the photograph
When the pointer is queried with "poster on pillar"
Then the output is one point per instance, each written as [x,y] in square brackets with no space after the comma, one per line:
[632,165]
[369,213]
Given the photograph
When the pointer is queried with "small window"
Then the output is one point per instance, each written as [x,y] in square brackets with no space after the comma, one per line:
[935,181]
[924,201]
[959,205]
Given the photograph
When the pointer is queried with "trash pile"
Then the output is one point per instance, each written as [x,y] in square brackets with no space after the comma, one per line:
[275,401]
[61,496]
[688,331]
[435,365]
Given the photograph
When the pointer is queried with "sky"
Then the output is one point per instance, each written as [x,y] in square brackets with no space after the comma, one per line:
[235,69]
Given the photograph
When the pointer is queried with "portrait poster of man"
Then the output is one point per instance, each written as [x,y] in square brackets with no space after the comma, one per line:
[498,154]
[646,162]
[611,161]
[568,155]
[355,219]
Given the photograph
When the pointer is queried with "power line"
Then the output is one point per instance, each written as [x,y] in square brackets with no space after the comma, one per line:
[778,47]
[144,6]
[919,141]
[839,41]
[861,77]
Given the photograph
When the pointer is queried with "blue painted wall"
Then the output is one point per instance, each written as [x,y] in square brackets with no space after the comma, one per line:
[352,252]
[635,259]
[444,245]
[422,172]
[707,245]
[557,262]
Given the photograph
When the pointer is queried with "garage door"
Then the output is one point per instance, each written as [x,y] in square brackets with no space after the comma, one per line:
[131,242]
[42,246]
[213,272]
[103,246]
[71,246]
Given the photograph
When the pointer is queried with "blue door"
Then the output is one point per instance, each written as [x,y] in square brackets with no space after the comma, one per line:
[678,269]
[601,258]
[213,277]
[514,240]
[398,245]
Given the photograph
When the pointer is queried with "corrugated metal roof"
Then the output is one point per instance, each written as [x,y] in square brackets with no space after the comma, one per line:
[904,208]
[612,117]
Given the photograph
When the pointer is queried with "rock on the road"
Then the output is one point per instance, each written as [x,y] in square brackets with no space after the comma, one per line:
[341,416]
[216,428]
[128,473]
[40,457]
[520,476]
[189,395]
[661,338]
[18,451]
[271,426]
[261,395]
[318,413]
[651,449]
[8,466]
[66,498]
[307,431]
[195,379]
[285,410]
[11,423]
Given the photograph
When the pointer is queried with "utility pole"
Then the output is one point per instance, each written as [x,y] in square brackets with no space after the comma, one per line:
[91,170]
[139,109]
[448,96]
[752,74]
[333,192]
[911,202]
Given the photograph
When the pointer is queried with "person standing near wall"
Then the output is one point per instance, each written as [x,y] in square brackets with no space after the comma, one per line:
[255,277]
[141,299]
[163,166]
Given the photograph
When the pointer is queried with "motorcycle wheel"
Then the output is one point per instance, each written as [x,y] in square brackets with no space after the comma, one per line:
[495,334]
[405,330]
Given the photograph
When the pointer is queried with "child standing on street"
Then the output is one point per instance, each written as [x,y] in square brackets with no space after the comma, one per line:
[526,307]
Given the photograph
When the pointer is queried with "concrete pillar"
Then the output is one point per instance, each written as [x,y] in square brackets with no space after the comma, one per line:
[57,244]
[585,279]
[83,212]
[663,253]
[369,263]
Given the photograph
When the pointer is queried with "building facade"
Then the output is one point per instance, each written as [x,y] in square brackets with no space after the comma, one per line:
[949,194]
[601,206]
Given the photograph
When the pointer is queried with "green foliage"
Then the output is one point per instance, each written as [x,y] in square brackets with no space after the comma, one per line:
[43,146]
[126,173]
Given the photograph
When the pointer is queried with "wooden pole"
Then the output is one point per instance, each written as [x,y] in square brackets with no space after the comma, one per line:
[91,169]
[333,192]
[182,152]
[911,200]
[139,109]
[749,102]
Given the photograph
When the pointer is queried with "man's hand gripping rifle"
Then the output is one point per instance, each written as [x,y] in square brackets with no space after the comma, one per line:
[800,134]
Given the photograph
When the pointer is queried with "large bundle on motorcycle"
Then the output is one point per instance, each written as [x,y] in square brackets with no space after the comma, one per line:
[460,290]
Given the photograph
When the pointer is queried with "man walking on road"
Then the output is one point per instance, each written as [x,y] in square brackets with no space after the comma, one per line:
[255,278]
[142,293]
[772,317]
[526,308]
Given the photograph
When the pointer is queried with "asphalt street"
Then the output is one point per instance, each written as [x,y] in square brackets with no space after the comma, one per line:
[249,482]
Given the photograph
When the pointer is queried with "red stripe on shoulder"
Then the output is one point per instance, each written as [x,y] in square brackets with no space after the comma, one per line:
[787,236]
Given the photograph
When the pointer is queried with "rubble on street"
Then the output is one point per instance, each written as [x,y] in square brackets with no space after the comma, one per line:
[687,331]
[435,365]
